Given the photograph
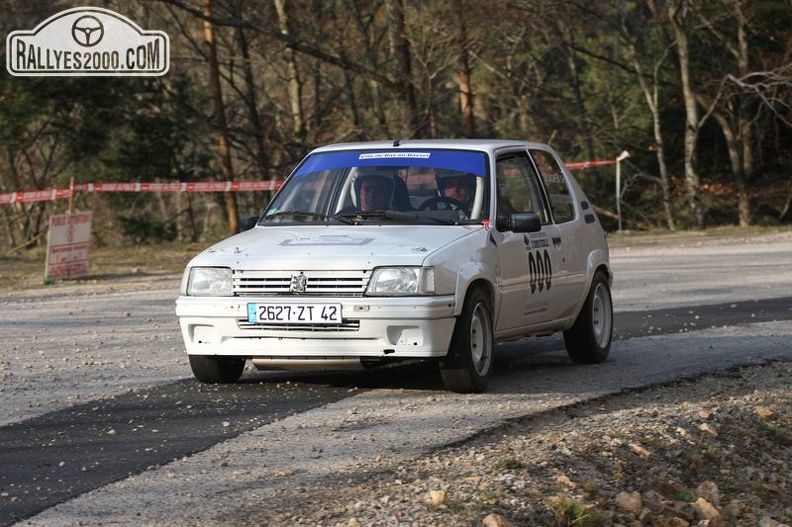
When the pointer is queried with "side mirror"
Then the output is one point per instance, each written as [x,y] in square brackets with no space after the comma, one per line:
[519,222]
[248,222]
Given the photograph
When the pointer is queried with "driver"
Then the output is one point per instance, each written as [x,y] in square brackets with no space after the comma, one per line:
[374,192]
[459,187]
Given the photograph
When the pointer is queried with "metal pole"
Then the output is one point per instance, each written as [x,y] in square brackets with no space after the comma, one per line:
[624,155]
[618,193]
[71,196]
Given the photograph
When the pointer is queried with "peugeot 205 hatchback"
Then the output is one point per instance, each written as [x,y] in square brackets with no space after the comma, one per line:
[383,252]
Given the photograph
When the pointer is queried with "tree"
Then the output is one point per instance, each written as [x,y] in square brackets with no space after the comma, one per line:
[404,89]
[741,94]
[678,11]
[226,166]
[293,80]
[650,86]
[464,71]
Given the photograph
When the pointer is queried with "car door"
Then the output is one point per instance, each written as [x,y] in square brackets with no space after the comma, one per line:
[571,273]
[530,262]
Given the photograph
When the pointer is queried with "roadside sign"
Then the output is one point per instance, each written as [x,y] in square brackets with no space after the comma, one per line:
[67,245]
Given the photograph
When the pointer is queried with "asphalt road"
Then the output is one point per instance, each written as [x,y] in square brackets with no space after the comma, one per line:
[96,393]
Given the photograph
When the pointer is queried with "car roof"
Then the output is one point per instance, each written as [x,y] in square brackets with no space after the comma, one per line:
[488,145]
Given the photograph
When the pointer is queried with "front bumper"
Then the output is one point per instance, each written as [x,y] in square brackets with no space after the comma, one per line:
[396,328]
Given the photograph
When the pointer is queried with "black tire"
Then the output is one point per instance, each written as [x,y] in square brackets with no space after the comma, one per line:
[468,366]
[588,341]
[213,370]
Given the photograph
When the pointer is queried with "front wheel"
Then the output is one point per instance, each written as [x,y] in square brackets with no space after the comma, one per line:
[588,341]
[468,366]
[213,370]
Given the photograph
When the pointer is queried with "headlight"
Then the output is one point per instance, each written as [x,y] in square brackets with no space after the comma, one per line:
[402,281]
[210,281]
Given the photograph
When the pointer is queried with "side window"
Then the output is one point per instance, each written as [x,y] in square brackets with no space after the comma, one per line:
[518,187]
[556,186]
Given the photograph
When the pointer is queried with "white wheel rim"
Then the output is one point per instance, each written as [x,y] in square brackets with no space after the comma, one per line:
[480,340]
[601,315]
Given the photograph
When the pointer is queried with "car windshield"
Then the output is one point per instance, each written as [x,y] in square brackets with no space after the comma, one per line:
[426,186]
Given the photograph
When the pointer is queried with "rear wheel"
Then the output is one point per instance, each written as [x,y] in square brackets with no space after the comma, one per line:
[588,341]
[468,366]
[213,370]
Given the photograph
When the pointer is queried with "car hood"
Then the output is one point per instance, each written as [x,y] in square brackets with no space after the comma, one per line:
[331,247]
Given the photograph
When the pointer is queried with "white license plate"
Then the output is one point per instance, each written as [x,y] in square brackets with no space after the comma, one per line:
[273,313]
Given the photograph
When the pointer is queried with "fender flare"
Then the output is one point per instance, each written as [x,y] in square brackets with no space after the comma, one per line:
[597,259]
[469,273]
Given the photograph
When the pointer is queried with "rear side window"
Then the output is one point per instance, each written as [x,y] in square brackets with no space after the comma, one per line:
[555,185]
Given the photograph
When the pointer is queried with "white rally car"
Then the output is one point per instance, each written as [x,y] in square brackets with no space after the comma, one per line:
[383,252]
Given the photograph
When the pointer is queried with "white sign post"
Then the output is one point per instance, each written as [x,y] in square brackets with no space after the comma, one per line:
[624,155]
[67,245]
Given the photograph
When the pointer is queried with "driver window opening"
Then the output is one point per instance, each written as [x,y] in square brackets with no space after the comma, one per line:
[518,188]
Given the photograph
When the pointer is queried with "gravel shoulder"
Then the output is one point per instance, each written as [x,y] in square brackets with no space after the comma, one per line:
[714,450]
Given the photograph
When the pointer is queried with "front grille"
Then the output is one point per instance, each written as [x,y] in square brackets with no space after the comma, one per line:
[317,283]
[346,325]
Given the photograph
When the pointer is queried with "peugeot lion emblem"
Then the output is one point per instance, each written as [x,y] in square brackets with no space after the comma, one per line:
[298,283]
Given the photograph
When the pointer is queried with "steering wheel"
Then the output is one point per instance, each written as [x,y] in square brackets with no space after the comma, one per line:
[443,203]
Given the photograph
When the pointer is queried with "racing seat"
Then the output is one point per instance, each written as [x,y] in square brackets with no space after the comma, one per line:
[401,196]
[396,187]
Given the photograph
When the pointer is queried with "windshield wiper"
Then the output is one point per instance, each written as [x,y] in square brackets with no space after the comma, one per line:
[417,216]
[363,214]
[296,213]
[356,216]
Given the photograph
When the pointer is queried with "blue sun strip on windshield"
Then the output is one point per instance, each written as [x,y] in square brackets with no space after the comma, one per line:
[454,160]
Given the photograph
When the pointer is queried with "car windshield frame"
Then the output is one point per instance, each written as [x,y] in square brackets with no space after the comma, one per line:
[328,187]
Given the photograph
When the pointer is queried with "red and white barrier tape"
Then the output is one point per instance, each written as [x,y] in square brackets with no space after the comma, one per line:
[27,196]
[580,165]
